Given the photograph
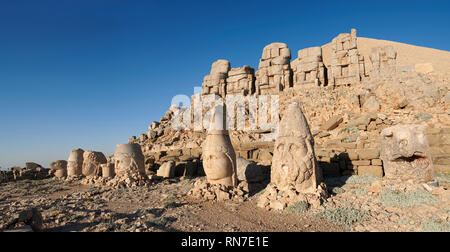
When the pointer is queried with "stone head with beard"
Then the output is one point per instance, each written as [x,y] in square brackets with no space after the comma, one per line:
[294,162]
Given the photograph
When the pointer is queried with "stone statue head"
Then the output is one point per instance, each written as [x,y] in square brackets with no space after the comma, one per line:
[406,154]
[293,161]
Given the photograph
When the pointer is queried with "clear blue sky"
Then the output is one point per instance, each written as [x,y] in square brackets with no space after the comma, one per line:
[91,73]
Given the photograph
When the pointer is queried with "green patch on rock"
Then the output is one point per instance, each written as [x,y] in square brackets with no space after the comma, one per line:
[350,130]
[408,199]
[365,179]
[160,221]
[403,221]
[361,191]
[432,225]
[442,177]
[299,207]
[343,216]
[424,116]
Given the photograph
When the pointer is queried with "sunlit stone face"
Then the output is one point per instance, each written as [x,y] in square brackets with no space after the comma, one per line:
[291,163]
[217,166]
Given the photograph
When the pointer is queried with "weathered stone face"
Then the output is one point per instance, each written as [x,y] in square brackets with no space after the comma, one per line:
[294,161]
[128,158]
[219,158]
[75,163]
[405,153]
[91,163]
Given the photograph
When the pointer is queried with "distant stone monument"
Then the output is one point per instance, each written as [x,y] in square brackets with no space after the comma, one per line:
[241,81]
[347,65]
[215,82]
[274,72]
[308,68]
[383,60]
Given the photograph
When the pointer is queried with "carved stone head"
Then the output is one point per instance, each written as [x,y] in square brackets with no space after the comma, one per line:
[406,153]
[219,158]
[294,162]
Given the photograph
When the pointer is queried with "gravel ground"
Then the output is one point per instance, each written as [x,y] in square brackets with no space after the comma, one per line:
[356,204]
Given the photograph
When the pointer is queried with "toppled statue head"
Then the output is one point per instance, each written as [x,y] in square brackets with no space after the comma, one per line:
[406,153]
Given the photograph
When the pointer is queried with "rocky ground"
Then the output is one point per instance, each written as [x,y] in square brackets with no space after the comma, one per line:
[357,203]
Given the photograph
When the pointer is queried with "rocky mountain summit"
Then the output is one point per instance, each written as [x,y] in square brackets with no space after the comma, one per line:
[355,133]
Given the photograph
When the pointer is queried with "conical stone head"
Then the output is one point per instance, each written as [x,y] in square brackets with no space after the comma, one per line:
[294,162]
[294,123]
[219,158]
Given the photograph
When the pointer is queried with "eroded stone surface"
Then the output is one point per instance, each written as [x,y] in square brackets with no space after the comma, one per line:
[59,168]
[295,174]
[219,158]
[91,163]
[347,65]
[215,82]
[308,68]
[274,72]
[406,154]
[75,163]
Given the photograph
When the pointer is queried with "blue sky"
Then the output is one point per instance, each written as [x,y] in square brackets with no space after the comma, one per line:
[91,73]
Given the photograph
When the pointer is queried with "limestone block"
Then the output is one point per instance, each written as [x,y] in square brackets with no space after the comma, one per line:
[241,81]
[352,154]
[108,170]
[215,82]
[360,162]
[424,68]
[377,162]
[374,170]
[167,170]
[332,123]
[309,67]
[345,61]
[368,154]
